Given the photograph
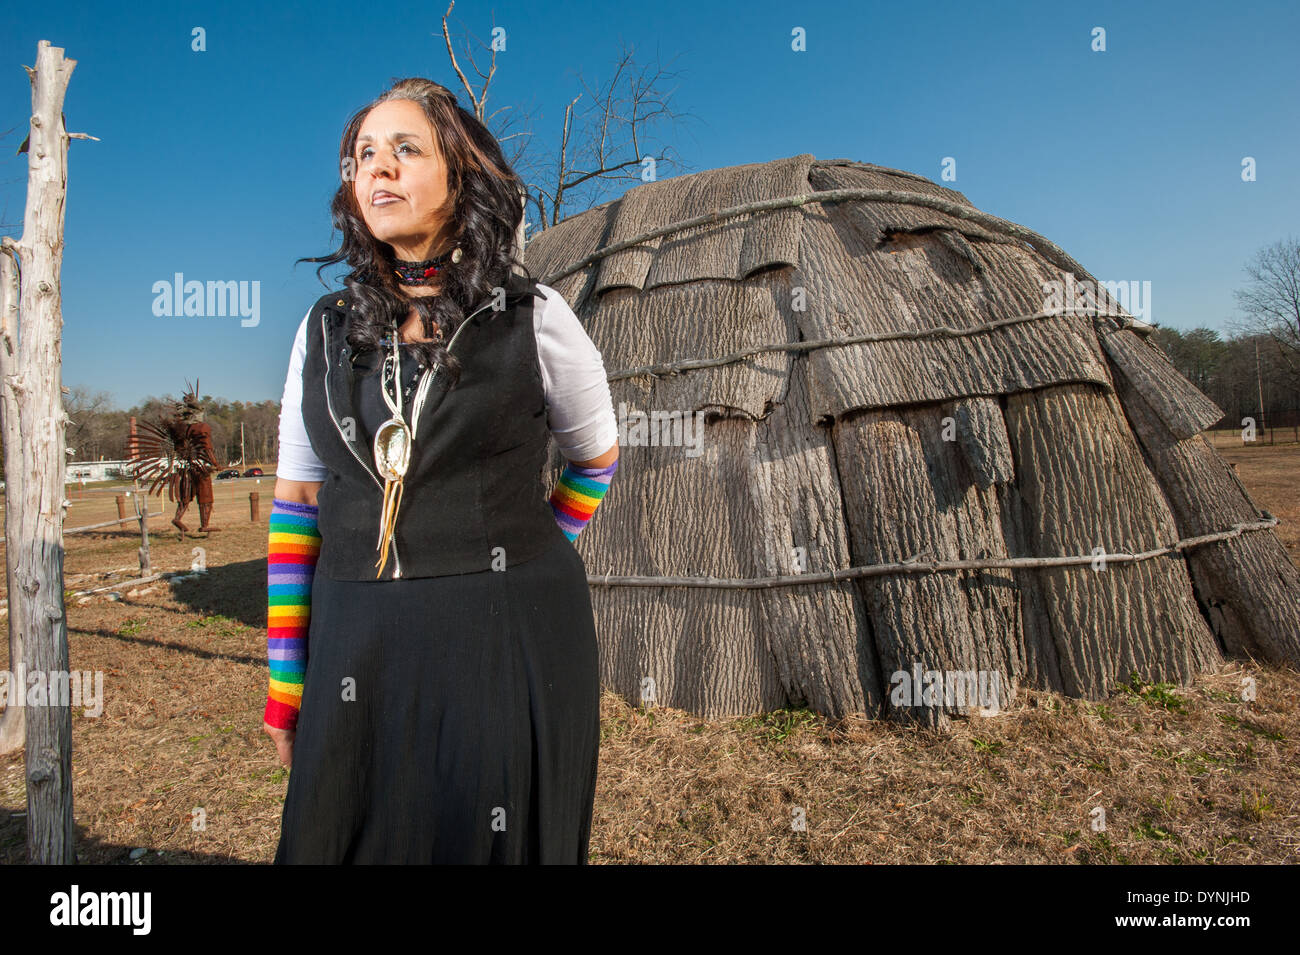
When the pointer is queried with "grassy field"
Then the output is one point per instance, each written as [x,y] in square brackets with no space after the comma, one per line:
[1183,774]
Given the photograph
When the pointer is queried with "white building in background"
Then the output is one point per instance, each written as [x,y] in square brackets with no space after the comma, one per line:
[88,471]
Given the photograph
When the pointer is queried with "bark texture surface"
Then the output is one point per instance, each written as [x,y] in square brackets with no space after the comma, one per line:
[1009,432]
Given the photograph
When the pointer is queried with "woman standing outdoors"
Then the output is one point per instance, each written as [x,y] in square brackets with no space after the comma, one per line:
[431,641]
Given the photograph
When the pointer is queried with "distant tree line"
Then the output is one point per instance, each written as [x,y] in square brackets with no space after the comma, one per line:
[1261,352]
[1227,371]
[98,430]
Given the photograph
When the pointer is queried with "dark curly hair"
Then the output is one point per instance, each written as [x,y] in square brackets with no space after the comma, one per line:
[485,199]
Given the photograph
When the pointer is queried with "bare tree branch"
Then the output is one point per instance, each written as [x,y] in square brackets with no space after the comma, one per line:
[1273,295]
[479,100]
[600,146]
[617,125]
[1271,307]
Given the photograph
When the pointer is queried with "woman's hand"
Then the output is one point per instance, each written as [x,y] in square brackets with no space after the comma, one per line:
[283,742]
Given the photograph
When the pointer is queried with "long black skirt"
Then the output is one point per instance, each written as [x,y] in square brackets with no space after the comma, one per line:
[448,719]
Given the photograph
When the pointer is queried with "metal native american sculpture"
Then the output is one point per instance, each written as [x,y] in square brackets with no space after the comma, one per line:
[177,452]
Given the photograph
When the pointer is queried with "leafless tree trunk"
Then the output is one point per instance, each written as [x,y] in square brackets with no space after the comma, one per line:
[33,424]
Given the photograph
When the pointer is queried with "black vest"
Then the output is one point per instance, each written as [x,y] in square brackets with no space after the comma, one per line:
[474,481]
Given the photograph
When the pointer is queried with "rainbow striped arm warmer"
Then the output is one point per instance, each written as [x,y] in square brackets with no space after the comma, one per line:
[292,549]
[577,495]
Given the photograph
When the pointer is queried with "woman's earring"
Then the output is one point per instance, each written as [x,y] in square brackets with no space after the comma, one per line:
[456,255]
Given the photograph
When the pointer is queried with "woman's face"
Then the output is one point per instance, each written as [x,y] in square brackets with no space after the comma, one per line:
[401,180]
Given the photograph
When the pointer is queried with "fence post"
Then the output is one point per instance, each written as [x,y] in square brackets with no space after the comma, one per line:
[143,514]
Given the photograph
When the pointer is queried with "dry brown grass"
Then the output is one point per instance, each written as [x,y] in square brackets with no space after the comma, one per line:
[1183,774]
[1215,781]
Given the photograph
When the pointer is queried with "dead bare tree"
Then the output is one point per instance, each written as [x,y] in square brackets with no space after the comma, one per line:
[1270,303]
[605,144]
[33,426]
[87,413]
[513,140]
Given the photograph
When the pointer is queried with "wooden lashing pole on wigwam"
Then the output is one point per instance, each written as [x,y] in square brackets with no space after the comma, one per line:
[31,408]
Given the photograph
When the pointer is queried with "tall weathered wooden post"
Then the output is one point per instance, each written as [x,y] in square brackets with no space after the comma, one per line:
[31,410]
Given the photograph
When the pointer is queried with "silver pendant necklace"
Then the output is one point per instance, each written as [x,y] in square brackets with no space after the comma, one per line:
[392,447]
[394,438]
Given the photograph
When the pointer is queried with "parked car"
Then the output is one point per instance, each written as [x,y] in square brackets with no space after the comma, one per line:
[228,473]
[253,472]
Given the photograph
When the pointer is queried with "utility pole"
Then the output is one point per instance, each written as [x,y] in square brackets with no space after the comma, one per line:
[1259,383]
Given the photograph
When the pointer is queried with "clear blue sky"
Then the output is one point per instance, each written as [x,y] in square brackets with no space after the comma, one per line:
[221,164]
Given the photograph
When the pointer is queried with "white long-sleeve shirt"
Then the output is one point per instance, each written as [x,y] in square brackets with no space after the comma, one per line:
[579,411]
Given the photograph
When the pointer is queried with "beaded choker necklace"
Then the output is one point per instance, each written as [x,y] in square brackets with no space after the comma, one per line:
[418,273]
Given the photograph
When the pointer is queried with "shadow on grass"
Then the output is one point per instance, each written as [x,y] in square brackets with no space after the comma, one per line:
[92,851]
[236,591]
